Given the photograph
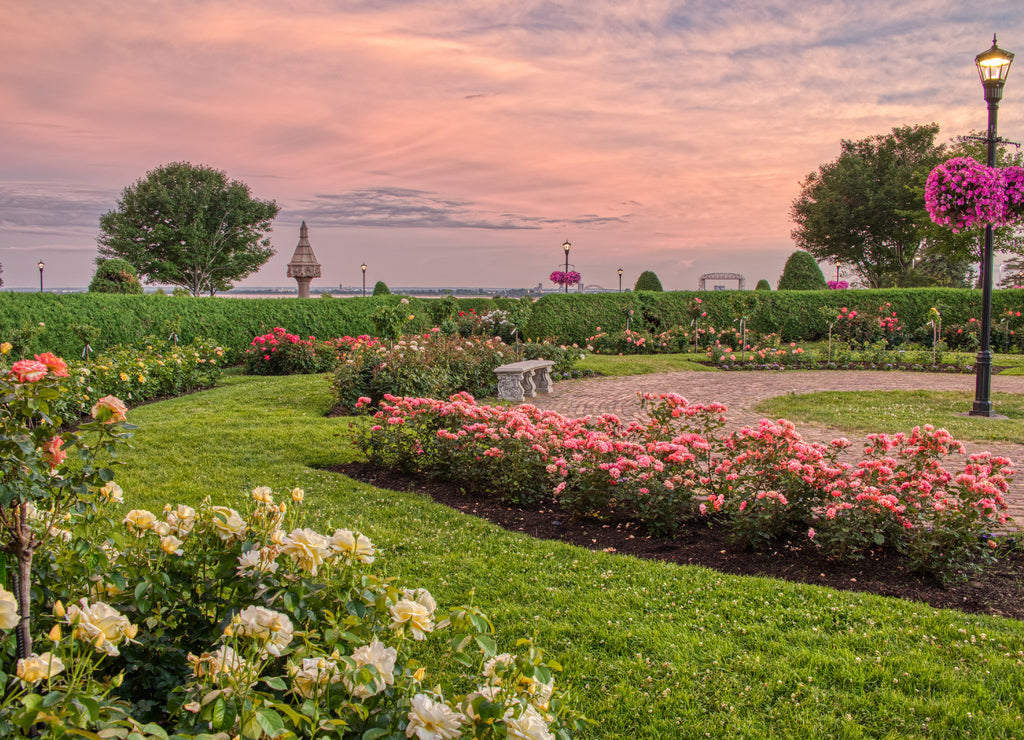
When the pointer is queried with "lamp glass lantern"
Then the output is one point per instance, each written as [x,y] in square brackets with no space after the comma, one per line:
[994,66]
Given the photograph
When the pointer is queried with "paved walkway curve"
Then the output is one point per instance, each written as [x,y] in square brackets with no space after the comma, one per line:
[741,391]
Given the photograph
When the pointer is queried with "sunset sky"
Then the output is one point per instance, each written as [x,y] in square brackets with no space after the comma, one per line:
[459,144]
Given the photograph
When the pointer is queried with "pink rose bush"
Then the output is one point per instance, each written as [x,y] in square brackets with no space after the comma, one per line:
[279,352]
[761,482]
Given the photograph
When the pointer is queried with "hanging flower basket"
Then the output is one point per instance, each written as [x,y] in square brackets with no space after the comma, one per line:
[963,194]
[558,277]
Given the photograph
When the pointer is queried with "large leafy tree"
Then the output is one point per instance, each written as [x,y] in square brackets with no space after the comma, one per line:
[189,226]
[865,210]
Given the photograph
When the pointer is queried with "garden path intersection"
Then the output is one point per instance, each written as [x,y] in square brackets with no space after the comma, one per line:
[742,391]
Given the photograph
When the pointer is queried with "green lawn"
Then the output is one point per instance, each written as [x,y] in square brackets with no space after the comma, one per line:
[901,411]
[642,364]
[650,650]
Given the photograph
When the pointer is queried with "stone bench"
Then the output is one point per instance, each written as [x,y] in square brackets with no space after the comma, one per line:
[520,380]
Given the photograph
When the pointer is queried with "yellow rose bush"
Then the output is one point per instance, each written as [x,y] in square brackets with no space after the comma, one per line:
[258,626]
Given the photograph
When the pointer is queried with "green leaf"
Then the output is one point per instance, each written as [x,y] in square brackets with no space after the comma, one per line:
[879,538]
[374,733]
[276,683]
[270,721]
[488,645]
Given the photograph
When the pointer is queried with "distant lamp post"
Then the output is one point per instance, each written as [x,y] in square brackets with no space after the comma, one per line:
[42,266]
[567,246]
[993,67]
[364,279]
[620,279]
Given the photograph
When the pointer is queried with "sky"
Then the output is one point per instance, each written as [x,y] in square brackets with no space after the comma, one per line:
[461,143]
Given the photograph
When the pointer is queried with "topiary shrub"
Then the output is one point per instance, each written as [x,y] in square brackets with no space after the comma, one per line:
[648,281]
[115,276]
[801,273]
[763,284]
[381,288]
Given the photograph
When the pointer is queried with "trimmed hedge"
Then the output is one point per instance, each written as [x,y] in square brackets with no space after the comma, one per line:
[232,322]
[798,315]
[562,318]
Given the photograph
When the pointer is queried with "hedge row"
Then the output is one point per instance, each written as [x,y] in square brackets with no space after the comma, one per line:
[794,315]
[567,319]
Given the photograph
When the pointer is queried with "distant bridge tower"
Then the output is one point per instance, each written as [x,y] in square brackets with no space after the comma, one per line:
[303,266]
[702,283]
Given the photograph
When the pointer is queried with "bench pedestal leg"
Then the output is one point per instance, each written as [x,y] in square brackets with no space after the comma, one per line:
[510,387]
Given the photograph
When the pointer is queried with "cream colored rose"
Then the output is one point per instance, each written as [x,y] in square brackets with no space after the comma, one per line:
[257,561]
[351,544]
[530,725]
[307,548]
[139,521]
[171,545]
[264,494]
[101,625]
[421,596]
[37,667]
[382,659]
[181,519]
[415,614]
[112,492]
[298,495]
[488,693]
[228,524]
[8,610]
[272,629]
[162,529]
[223,661]
[505,660]
[312,674]
[430,720]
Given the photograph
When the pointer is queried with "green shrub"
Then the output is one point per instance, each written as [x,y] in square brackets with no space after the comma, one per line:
[763,284]
[115,276]
[801,273]
[648,281]
[381,288]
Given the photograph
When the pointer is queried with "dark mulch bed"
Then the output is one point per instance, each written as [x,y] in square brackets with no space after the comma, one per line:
[999,590]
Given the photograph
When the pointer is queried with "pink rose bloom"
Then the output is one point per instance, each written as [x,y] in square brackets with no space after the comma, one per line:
[111,409]
[28,371]
[52,452]
[55,365]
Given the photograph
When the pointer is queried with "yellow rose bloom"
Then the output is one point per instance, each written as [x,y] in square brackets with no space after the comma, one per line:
[37,667]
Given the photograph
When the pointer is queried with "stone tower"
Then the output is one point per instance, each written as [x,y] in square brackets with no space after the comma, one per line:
[303,266]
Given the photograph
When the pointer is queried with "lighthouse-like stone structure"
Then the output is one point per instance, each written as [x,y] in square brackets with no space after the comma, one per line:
[303,266]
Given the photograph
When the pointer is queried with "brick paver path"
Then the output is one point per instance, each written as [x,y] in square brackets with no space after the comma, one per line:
[741,391]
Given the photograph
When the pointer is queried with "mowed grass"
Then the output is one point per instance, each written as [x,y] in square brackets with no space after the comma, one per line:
[901,411]
[650,650]
[642,364]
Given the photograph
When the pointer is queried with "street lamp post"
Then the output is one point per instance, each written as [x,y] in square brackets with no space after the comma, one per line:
[993,67]
[41,266]
[620,279]
[364,279]
[567,246]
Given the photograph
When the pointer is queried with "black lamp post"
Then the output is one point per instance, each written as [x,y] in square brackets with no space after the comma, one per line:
[620,279]
[567,246]
[993,67]
[364,279]
[41,266]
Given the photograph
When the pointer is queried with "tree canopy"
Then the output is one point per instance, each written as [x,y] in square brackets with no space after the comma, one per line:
[381,288]
[801,273]
[648,281]
[115,276]
[189,226]
[865,210]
